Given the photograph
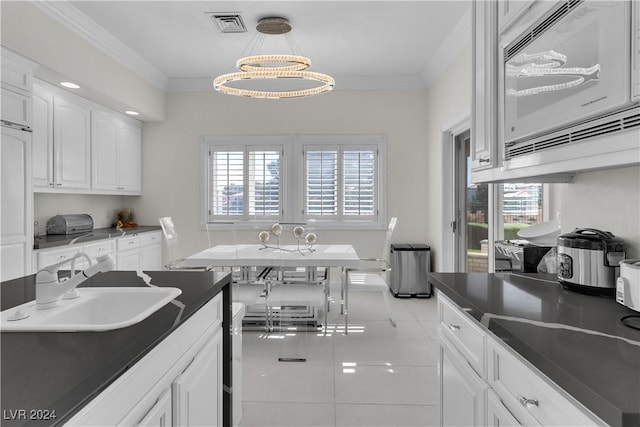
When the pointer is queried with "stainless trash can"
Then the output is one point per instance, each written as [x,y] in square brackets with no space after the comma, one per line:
[410,266]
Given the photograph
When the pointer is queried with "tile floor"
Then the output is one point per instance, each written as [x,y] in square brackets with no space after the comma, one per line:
[377,375]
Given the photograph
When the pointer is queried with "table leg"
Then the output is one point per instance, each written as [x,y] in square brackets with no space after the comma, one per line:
[346,301]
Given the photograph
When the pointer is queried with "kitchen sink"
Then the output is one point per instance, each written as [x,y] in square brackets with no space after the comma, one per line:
[96,309]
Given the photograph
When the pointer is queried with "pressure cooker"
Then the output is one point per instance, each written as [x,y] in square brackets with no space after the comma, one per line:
[589,261]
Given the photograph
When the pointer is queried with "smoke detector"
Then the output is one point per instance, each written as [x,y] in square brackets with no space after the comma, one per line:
[228,22]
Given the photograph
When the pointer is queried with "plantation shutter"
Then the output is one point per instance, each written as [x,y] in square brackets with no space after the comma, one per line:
[321,182]
[264,183]
[359,186]
[227,177]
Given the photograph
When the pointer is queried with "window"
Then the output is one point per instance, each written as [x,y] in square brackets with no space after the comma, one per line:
[340,182]
[334,180]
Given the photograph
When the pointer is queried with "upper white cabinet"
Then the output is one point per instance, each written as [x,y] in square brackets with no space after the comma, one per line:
[16,228]
[17,87]
[71,133]
[116,153]
[16,207]
[509,11]
[79,147]
[484,82]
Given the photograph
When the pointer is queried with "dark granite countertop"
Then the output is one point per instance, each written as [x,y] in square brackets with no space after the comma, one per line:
[63,371]
[576,340]
[53,240]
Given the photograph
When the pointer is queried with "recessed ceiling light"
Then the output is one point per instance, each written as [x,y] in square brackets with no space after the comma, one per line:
[132,113]
[70,85]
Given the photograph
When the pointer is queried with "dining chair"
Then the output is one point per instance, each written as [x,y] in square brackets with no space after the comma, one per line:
[282,291]
[246,288]
[373,277]
[173,246]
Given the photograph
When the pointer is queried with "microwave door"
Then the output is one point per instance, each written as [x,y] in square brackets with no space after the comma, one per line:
[574,70]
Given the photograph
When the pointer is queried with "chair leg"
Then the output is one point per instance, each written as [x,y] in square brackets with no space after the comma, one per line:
[386,303]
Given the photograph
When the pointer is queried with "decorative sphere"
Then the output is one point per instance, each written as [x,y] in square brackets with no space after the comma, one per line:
[263,236]
[276,229]
[298,231]
[311,238]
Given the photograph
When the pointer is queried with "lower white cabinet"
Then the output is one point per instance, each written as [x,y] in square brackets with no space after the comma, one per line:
[178,383]
[131,253]
[462,391]
[196,394]
[484,382]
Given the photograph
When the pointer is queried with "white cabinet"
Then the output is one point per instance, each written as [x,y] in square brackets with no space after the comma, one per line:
[160,415]
[197,396]
[484,382]
[140,252]
[462,391]
[509,11]
[80,147]
[484,86]
[17,87]
[137,252]
[116,158]
[497,414]
[181,375]
[16,220]
[61,132]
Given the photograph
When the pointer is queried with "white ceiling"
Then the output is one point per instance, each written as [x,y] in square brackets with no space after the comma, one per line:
[362,44]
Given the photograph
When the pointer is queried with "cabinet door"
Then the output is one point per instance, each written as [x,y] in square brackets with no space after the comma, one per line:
[104,151]
[160,414]
[16,209]
[497,414]
[128,260]
[462,392]
[484,90]
[509,11]
[152,257]
[16,108]
[42,156]
[71,144]
[197,392]
[130,158]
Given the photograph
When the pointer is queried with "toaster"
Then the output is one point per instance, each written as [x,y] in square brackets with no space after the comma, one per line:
[628,284]
[70,224]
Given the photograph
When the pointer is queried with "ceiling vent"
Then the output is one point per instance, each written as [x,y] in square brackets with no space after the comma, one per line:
[228,22]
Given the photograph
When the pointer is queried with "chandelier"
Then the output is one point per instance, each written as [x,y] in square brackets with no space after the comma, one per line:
[274,66]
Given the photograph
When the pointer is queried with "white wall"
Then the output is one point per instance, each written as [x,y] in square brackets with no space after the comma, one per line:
[101,208]
[171,165]
[607,200]
[449,98]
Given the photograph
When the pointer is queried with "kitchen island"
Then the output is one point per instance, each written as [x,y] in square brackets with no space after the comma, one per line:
[47,378]
[576,341]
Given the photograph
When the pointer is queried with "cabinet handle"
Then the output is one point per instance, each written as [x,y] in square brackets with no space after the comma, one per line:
[453,327]
[527,403]
[482,161]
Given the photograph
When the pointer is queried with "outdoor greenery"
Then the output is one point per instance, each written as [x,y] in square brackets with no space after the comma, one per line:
[477,232]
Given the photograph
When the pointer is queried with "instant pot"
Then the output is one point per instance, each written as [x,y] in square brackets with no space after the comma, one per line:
[589,260]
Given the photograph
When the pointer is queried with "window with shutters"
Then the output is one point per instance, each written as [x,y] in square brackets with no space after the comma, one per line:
[332,181]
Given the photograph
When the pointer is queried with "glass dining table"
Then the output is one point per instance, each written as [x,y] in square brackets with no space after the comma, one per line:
[341,257]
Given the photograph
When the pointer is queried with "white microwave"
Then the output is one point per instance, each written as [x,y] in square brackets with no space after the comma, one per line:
[577,63]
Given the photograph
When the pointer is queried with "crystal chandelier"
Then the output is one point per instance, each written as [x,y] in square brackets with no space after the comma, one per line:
[277,66]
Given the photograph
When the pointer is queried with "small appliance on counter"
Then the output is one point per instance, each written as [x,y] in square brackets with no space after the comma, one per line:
[70,224]
[589,261]
[518,255]
[628,284]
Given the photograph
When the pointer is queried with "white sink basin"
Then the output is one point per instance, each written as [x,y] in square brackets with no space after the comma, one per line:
[97,309]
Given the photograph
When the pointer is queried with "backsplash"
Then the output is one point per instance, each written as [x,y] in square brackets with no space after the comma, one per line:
[607,200]
[101,208]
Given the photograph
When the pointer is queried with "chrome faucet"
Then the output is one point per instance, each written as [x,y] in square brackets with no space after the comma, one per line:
[49,288]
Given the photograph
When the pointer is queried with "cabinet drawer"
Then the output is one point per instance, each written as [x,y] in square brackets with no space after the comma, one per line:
[94,250]
[46,258]
[464,334]
[150,238]
[524,390]
[125,243]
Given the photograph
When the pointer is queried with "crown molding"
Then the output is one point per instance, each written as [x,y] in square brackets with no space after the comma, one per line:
[457,39]
[77,22]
